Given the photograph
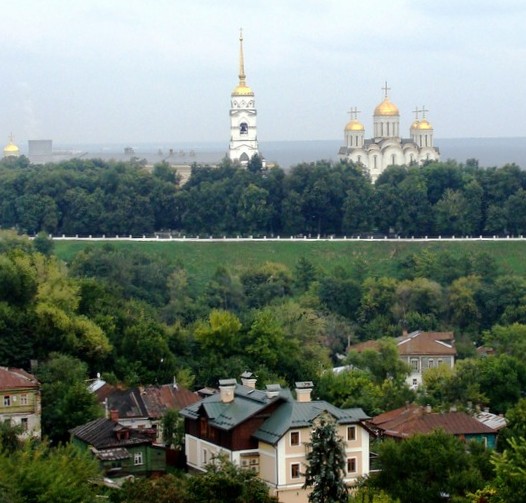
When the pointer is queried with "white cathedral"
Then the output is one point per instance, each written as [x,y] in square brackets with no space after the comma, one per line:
[243,113]
[386,147]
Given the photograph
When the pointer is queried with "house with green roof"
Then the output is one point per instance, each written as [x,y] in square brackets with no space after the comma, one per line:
[268,431]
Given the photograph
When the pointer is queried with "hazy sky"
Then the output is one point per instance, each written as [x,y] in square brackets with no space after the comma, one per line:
[106,71]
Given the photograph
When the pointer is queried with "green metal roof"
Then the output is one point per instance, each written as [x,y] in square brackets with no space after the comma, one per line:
[294,414]
[249,402]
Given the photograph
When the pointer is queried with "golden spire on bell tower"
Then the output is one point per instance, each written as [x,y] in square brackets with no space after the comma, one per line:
[242,89]
[242,76]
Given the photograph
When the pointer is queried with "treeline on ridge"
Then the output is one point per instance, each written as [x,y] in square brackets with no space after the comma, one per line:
[92,197]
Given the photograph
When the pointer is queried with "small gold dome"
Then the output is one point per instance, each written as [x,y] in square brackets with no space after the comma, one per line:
[415,124]
[11,149]
[424,124]
[386,108]
[242,90]
[354,125]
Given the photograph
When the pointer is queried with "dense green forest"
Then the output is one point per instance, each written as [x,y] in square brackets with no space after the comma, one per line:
[92,197]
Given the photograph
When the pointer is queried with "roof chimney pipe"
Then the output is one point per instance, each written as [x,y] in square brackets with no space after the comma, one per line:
[303,391]
[273,390]
[248,379]
[226,390]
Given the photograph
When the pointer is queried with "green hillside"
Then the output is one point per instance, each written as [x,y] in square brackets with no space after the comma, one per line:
[201,259]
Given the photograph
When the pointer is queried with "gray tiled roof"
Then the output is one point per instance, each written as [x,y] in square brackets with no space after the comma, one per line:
[100,433]
[294,414]
[113,454]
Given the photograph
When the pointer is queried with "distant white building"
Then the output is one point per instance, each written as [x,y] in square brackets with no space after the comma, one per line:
[243,114]
[387,147]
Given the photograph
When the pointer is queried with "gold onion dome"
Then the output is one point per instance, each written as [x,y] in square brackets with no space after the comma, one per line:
[242,90]
[424,124]
[11,149]
[354,125]
[386,108]
[415,124]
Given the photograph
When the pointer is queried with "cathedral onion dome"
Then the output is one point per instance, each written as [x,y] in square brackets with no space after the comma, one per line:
[386,108]
[11,150]
[424,125]
[354,125]
[415,124]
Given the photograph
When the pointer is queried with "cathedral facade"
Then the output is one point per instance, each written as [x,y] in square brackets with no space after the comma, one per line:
[243,114]
[387,147]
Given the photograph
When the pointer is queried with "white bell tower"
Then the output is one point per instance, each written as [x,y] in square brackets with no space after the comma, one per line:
[243,113]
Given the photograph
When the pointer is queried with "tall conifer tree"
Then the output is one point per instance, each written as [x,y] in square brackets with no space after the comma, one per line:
[326,464]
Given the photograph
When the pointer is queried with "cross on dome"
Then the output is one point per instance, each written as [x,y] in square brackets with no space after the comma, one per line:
[385,88]
[424,110]
[353,112]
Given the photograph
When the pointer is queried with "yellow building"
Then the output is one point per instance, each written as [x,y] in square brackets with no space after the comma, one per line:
[20,400]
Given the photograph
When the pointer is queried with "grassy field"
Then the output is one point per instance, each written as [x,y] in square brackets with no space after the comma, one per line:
[201,259]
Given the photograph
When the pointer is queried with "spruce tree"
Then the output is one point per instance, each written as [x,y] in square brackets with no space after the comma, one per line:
[326,464]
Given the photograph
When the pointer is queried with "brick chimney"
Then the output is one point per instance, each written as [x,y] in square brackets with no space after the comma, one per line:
[226,390]
[248,379]
[303,391]
[114,415]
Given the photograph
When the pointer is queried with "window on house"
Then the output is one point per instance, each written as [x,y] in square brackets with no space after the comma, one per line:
[7,401]
[24,424]
[351,432]
[294,438]
[295,471]
[205,456]
[23,399]
[414,364]
[415,382]
[431,363]
[351,465]
[138,459]
[440,361]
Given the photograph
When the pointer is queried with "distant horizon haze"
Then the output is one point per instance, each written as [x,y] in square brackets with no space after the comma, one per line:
[488,151]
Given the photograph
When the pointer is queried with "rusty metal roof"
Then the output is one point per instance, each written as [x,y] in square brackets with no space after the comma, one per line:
[13,378]
[412,419]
